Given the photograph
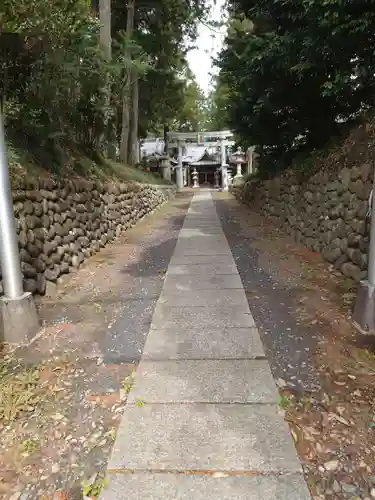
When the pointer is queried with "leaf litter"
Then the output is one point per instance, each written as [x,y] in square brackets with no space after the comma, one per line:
[333,426]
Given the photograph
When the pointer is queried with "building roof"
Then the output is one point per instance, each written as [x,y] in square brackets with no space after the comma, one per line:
[206,159]
[207,163]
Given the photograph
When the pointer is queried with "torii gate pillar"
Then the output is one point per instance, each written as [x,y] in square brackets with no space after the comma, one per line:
[179,173]
[224,167]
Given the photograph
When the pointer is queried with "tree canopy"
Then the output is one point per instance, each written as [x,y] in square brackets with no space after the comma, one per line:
[55,73]
[296,70]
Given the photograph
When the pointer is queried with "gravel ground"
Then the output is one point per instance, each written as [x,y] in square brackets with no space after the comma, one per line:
[273,292]
[325,370]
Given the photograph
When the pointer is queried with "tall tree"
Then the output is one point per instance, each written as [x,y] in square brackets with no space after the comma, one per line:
[133,139]
[190,117]
[216,109]
[105,28]
[164,30]
[126,102]
[71,73]
[106,45]
[296,70]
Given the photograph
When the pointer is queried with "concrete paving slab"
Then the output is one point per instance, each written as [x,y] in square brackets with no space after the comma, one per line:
[201,219]
[204,243]
[200,298]
[202,269]
[213,217]
[200,231]
[212,249]
[225,343]
[200,237]
[217,437]
[201,317]
[204,381]
[192,283]
[203,240]
[202,259]
[167,486]
[195,217]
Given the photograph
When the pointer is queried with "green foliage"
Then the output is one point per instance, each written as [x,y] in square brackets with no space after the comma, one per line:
[190,115]
[93,489]
[164,29]
[284,402]
[55,78]
[60,100]
[217,109]
[297,71]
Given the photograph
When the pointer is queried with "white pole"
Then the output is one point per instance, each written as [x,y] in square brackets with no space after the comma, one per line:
[371,250]
[224,169]
[179,173]
[9,254]
[364,308]
[250,161]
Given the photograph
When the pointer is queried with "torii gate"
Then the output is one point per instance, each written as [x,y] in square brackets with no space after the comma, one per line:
[222,139]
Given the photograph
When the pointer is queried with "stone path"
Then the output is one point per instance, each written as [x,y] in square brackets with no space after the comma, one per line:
[202,419]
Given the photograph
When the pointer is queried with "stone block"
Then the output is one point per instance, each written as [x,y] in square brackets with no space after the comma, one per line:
[366,170]
[331,254]
[351,271]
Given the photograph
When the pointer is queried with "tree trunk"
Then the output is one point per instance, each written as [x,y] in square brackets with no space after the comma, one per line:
[125,129]
[134,150]
[165,133]
[105,28]
[126,102]
[106,45]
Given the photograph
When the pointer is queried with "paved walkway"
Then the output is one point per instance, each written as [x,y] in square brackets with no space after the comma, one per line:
[202,418]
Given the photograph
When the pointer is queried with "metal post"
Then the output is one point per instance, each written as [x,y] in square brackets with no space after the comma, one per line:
[179,173]
[371,249]
[18,317]
[364,309]
[9,254]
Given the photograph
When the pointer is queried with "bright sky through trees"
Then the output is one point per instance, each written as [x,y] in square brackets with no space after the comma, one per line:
[208,44]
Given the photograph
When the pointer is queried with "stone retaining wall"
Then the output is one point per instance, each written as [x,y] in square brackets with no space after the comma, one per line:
[327,213]
[59,225]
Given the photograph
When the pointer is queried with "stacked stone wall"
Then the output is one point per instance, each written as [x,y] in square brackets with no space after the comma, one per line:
[59,225]
[326,212]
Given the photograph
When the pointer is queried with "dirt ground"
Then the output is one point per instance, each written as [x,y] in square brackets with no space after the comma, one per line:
[61,398]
